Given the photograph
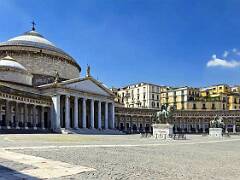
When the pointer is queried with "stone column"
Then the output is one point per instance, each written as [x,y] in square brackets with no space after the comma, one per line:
[67,111]
[1,116]
[8,114]
[226,128]
[17,117]
[196,127]
[182,126]
[112,116]
[234,128]
[26,116]
[99,115]
[42,118]
[22,115]
[56,113]
[84,123]
[92,114]
[106,116]
[34,117]
[76,112]
[203,126]
[176,126]
[189,127]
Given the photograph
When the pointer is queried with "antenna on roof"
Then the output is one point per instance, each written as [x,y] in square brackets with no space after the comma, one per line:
[33,25]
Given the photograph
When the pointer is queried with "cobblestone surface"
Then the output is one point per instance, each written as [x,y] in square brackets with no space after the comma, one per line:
[196,158]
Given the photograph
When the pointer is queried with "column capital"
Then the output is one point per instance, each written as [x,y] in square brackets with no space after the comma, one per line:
[67,95]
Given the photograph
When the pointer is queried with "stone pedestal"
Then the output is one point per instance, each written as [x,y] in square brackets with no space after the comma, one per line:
[162,131]
[215,132]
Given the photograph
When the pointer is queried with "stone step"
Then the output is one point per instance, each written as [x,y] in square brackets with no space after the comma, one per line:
[92,131]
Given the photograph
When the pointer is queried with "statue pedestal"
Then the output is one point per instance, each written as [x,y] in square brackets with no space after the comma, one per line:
[162,131]
[215,132]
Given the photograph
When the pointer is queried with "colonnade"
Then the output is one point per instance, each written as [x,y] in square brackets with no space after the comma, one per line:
[134,124]
[201,125]
[82,112]
[23,115]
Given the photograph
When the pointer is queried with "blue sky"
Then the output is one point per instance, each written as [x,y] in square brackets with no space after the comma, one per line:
[168,42]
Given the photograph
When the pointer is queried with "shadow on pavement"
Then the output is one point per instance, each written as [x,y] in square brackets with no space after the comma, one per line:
[11,174]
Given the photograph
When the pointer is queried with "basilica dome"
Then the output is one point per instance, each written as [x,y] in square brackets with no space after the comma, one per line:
[12,71]
[41,57]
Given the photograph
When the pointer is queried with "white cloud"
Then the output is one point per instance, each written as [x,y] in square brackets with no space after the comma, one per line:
[225,54]
[234,50]
[214,62]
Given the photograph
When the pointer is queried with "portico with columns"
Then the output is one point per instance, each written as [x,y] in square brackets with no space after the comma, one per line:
[81,103]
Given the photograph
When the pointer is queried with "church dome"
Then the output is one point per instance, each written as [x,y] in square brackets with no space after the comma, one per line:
[12,71]
[40,57]
[34,39]
[31,36]
[9,62]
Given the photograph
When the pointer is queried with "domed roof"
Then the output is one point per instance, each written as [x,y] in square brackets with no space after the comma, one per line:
[12,71]
[32,36]
[34,39]
[9,62]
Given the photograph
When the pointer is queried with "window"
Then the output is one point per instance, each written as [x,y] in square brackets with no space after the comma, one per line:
[153,104]
[213,106]
[157,97]
[235,107]
[152,96]
[224,107]
[3,108]
[220,88]
[158,104]
[194,106]
[235,100]
[204,106]
[224,99]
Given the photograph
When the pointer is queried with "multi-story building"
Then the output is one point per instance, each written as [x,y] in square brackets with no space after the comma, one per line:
[140,95]
[235,89]
[228,96]
[216,90]
[145,95]
[234,101]
[180,98]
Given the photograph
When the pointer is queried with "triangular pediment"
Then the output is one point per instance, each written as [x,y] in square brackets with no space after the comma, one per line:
[88,85]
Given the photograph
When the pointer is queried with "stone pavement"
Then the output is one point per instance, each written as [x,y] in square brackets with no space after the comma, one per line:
[118,157]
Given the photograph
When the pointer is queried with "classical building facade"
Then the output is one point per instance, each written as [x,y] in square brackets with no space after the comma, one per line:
[144,95]
[184,121]
[41,88]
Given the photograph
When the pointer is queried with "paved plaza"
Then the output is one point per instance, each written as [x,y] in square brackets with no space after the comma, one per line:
[56,156]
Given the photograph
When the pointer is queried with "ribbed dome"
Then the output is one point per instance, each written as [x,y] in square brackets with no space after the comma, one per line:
[34,39]
[9,62]
[32,36]
[40,57]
